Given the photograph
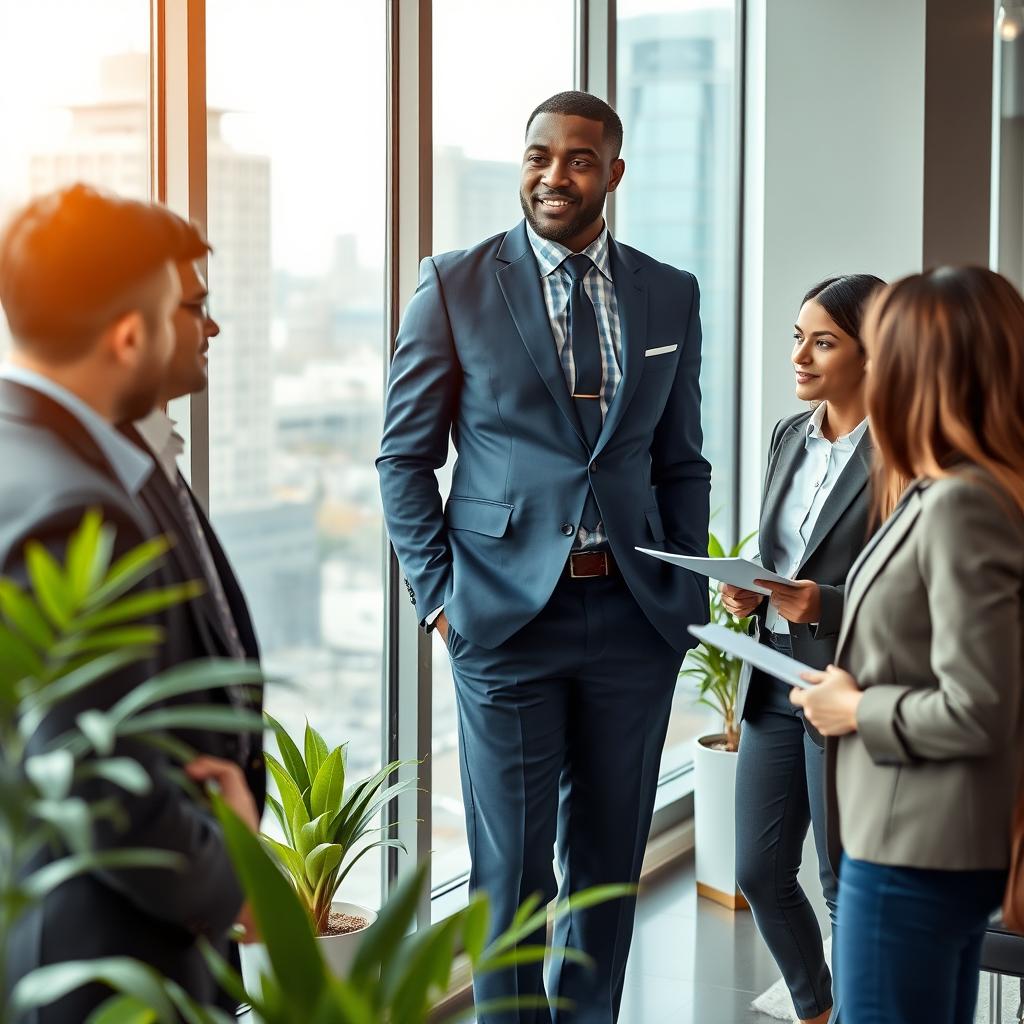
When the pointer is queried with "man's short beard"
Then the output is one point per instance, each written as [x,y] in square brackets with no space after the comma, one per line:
[561,232]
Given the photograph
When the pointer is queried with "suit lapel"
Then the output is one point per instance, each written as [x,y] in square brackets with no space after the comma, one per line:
[780,474]
[519,280]
[852,480]
[631,299]
[874,558]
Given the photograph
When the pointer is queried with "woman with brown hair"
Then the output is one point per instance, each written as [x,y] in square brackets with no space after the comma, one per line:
[923,708]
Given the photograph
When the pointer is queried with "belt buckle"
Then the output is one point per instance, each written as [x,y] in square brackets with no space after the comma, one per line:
[589,575]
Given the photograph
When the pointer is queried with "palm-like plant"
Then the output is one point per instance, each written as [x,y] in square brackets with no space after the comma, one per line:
[64,629]
[325,824]
[716,673]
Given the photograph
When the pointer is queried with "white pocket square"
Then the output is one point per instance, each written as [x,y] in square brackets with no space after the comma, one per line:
[662,351]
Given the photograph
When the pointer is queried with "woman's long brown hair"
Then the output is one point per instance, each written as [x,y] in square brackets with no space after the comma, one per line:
[946,379]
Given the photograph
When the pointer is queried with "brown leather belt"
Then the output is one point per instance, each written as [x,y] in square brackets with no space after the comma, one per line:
[585,565]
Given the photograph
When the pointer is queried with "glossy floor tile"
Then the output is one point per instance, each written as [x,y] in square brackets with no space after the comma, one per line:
[694,962]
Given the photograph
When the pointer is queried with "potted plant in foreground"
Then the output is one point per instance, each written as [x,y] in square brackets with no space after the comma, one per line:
[325,828]
[717,677]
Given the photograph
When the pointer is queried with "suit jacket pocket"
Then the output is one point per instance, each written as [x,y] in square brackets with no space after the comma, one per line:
[655,525]
[490,518]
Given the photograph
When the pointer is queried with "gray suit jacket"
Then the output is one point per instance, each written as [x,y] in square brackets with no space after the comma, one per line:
[51,471]
[934,634]
[838,537]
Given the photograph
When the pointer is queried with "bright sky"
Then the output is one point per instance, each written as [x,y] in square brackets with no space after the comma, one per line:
[306,81]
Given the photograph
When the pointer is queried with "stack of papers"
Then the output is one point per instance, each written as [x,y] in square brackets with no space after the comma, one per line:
[761,656]
[739,572]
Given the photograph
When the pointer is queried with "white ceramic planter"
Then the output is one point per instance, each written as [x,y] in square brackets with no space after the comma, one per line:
[715,823]
[338,951]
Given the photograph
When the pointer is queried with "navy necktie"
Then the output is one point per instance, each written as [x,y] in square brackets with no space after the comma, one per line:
[586,357]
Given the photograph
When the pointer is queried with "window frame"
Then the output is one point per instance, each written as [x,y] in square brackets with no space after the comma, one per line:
[178,161]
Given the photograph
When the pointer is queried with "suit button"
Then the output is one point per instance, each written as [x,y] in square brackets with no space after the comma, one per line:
[593,467]
[568,529]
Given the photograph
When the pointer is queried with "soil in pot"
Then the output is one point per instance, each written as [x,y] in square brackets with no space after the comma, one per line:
[345,924]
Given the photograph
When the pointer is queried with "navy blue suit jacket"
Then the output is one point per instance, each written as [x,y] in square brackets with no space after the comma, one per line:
[475,358]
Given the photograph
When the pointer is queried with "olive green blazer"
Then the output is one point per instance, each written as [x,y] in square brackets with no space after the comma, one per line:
[933,633]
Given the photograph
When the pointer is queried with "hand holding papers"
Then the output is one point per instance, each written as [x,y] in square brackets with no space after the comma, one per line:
[746,648]
[740,572]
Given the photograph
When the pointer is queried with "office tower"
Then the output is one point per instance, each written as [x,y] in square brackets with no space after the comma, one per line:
[676,96]
[272,542]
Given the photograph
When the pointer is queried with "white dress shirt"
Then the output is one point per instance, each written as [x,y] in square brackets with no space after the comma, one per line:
[157,430]
[822,463]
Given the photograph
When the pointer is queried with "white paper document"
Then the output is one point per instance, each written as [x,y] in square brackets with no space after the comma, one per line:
[761,656]
[740,572]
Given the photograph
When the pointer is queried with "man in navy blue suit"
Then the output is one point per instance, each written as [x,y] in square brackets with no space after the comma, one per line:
[564,366]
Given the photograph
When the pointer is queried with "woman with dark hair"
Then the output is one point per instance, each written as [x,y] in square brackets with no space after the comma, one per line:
[924,709]
[814,522]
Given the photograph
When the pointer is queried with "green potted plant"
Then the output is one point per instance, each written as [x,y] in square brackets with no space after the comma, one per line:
[717,678]
[325,828]
[63,629]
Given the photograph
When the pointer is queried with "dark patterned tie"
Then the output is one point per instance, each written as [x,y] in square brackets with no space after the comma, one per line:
[586,357]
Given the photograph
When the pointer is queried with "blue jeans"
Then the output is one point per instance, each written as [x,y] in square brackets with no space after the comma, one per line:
[908,945]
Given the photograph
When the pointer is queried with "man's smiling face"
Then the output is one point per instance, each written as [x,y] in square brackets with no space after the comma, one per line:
[569,167]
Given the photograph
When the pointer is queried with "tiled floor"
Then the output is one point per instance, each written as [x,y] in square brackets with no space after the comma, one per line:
[694,962]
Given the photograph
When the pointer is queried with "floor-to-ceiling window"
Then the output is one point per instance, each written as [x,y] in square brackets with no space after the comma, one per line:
[676,92]
[296,198]
[74,100]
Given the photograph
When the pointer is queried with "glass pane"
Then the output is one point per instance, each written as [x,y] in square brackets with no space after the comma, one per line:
[297,160]
[478,144]
[74,100]
[678,201]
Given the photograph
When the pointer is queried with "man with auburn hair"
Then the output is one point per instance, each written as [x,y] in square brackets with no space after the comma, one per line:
[564,366]
[89,286]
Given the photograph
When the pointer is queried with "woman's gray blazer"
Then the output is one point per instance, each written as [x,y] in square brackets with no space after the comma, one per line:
[933,632]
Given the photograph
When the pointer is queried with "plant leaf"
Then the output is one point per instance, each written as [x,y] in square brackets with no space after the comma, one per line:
[191,677]
[99,730]
[316,750]
[109,639]
[47,878]
[394,921]
[192,716]
[280,917]
[74,682]
[17,658]
[139,606]
[128,570]
[328,786]
[291,796]
[48,584]
[88,555]
[71,818]
[125,772]
[51,773]
[47,984]
[21,612]
[123,1010]
[290,860]
[321,861]
[290,755]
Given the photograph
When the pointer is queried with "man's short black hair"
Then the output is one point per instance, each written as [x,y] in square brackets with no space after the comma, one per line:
[70,259]
[583,104]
